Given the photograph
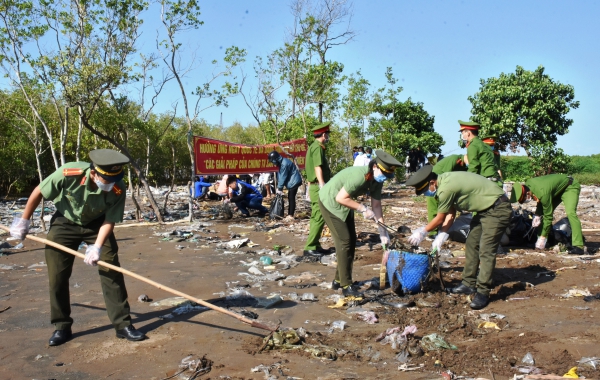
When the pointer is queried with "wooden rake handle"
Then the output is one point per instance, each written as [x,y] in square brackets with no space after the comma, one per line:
[148,281]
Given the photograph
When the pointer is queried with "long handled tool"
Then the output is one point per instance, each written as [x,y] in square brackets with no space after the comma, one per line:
[384,258]
[153,283]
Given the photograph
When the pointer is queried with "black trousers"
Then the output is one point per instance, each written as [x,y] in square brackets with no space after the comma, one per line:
[292,200]
[60,266]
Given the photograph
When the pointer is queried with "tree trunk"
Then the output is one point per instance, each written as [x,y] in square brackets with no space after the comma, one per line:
[78,147]
[39,170]
[172,178]
[63,136]
[133,163]
[147,156]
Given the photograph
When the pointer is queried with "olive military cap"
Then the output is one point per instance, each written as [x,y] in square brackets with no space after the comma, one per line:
[420,179]
[386,162]
[108,163]
[321,128]
[489,140]
[470,125]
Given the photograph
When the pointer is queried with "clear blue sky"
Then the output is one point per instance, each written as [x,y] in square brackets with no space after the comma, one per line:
[438,49]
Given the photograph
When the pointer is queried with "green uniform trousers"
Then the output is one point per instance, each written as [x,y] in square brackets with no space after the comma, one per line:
[343,233]
[432,207]
[570,197]
[60,265]
[316,220]
[487,228]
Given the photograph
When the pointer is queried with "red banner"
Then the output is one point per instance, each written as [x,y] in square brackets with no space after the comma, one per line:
[222,157]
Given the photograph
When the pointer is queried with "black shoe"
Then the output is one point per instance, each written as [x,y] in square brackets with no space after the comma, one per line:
[351,290]
[335,285]
[479,301]
[576,251]
[463,289]
[130,333]
[59,337]
[312,252]
[324,251]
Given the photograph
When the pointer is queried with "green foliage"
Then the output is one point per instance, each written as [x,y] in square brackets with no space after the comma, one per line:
[516,168]
[588,178]
[526,109]
[548,159]
[401,126]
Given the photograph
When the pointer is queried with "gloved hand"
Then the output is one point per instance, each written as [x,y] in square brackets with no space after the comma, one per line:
[418,236]
[383,235]
[321,186]
[92,255]
[279,192]
[367,212]
[19,228]
[308,193]
[226,200]
[540,243]
[439,240]
[537,220]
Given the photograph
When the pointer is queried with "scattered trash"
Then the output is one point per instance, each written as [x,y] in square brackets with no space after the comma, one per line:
[268,301]
[577,293]
[341,302]
[192,368]
[488,325]
[171,301]
[266,260]
[528,359]
[40,264]
[593,362]
[592,297]
[433,342]
[187,307]
[572,374]
[233,244]
[337,325]
[144,298]
[308,297]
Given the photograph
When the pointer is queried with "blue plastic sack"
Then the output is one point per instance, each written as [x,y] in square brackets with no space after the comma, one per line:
[410,269]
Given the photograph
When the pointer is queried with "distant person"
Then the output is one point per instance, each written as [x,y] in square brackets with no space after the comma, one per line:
[266,181]
[245,196]
[289,177]
[222,189]
[549,191]
[491,141]
[89,200]
[354,153]
[362,159]
[480,157]
[317,175]
[201,187]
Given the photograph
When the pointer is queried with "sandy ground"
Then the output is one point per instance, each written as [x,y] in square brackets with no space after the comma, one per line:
[531,292]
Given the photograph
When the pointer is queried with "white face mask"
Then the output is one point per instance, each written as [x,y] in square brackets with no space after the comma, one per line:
[104,186]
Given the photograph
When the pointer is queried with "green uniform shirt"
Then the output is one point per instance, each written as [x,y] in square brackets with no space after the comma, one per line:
[546,188]
[70,187]
[481,159]
[466,192]
[316,157]
[352,179]
[449,164]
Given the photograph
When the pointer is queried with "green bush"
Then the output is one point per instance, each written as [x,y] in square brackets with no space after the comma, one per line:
[587,178]
[516,168]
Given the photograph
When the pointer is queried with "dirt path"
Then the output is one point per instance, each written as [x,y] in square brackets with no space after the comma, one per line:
[529,292]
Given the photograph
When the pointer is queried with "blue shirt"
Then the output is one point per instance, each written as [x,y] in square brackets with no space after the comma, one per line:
[289,176]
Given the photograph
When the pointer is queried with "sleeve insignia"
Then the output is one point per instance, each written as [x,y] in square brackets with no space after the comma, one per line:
[68,172]
[117,190]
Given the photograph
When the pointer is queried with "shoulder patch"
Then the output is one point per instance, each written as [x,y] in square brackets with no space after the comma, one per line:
[117,190]
[68,172]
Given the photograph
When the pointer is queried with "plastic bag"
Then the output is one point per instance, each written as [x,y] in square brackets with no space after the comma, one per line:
[434,342]
[276,210]
[528,359]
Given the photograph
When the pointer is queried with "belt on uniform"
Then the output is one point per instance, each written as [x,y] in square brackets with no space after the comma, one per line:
[493,179]
[501,200]
[570,181]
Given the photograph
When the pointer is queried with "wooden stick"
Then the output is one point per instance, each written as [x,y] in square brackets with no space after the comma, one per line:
[590,230]
[148,281]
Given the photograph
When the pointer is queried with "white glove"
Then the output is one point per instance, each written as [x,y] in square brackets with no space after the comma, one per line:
[367,212]
[308,193]
[19,228]
[537,220]
[279,192]
[92,255]
[418,236]
[383,235]
[439,240]
[541,242]
[321,186]
[226,200]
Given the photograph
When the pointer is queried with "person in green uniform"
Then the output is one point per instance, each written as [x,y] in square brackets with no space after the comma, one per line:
[463,191]
[452,163]
[549,191]
[491,141]
[480,157]
[337,204]
[89,200]
[317,175]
